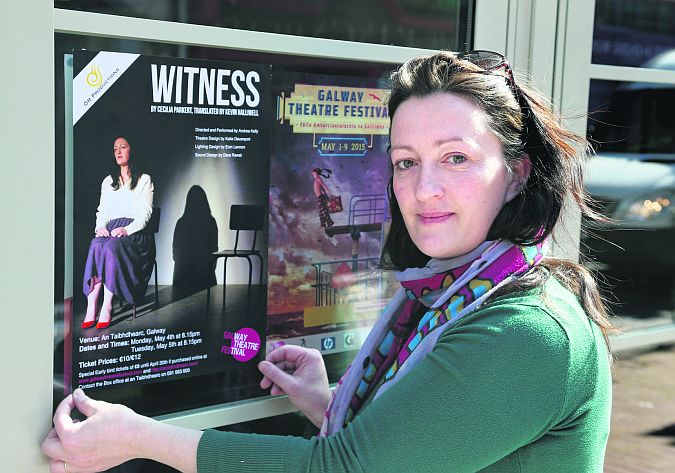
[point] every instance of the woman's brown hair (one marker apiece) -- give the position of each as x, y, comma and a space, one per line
525, 124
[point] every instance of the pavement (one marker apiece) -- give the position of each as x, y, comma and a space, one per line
642, 437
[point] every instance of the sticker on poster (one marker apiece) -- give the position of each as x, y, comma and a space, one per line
244, 344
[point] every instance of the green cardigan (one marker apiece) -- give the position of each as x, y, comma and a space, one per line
520, 385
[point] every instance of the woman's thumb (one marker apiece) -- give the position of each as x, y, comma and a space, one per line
279, 377
84, 403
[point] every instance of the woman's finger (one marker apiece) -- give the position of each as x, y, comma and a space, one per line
84, 403
277, 391
62, 419
280, 379
51, 446
58, 466
265, 382
276, 354
52, 434
287, 366
288, 353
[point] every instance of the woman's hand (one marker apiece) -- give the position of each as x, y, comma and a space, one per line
105, 439
301, 374
118, 232
102, 232
113, 434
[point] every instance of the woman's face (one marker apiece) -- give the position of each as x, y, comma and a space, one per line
122, 151
450, 177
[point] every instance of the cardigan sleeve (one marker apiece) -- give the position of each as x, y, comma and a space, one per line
103, 211
142, 204
494, 382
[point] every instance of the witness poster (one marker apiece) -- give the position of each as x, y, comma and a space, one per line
328, 210
197, 136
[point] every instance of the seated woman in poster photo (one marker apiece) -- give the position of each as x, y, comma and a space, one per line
491, 357
121, 255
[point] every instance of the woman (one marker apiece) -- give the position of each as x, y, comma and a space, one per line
121, 254
322, 193
490, 358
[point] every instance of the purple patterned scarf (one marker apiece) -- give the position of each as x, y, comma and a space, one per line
440, 293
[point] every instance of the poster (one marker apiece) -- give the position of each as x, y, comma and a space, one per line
328, 210
197, 134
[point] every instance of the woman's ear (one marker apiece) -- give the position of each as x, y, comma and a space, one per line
520, 173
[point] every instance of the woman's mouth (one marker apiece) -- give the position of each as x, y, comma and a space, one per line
434, 217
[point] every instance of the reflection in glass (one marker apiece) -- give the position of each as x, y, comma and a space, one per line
631, 33
632, 178
432, 24
201, 391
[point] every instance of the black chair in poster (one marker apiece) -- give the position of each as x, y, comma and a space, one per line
151, 227
250, 218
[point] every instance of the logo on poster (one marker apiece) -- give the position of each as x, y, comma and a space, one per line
319, 109
94, 78
244, 344
327, 343
92, 82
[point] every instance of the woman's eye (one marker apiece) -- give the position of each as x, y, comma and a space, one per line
456, 158
404, 164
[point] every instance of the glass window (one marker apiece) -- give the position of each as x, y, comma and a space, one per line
432, 24
632, 117
198, 391
630, 33
633, 179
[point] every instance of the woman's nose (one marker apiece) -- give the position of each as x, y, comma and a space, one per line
428, 184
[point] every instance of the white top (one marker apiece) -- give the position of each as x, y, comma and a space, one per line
124, 202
